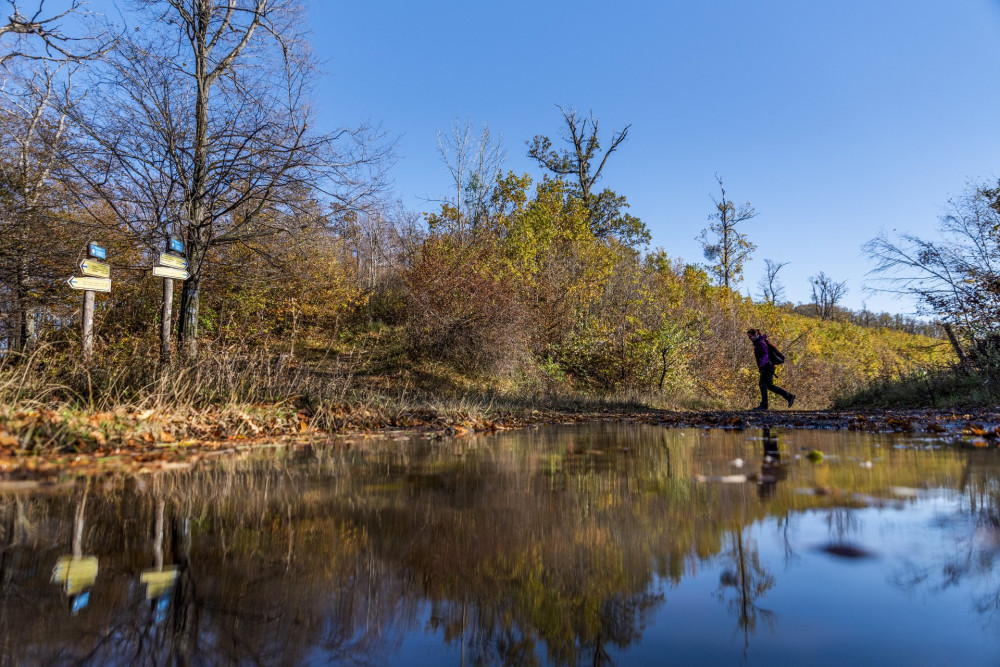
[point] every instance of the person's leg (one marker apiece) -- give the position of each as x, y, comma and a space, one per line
764, 383
788, 396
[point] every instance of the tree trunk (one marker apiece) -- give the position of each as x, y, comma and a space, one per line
955, 344
188, 334
197, 244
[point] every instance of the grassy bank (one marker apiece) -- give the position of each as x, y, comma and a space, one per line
947, 387
52, 405
56, 411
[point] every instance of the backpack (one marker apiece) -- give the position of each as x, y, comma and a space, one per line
774, 354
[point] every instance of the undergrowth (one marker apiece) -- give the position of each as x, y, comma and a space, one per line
949, 387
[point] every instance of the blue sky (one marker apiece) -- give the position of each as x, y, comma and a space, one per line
834, 119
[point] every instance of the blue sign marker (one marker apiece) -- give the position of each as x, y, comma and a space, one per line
175, 245
96, 251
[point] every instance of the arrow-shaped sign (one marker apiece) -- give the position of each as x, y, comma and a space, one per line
90, 284
173, 260
91, 267
170, 272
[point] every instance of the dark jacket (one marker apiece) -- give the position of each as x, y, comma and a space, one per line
760, 351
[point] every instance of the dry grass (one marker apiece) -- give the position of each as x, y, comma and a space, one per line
50, 398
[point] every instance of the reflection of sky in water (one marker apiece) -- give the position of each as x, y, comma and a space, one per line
830, 610
380, 547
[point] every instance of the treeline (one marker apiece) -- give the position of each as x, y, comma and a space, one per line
868, 318
197, 126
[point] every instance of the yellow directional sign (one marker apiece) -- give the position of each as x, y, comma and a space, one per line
173, 260
90, 284
170, 272
158, 583
75, 574
91, 267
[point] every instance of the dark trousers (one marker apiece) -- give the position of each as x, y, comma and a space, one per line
767, 384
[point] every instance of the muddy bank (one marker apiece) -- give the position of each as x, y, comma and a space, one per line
49, 446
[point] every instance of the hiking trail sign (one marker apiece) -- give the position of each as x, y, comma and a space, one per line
174, 261
91, 267
96, 251
90, 283
170, 272
96, 278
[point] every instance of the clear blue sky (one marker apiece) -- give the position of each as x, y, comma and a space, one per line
835, 119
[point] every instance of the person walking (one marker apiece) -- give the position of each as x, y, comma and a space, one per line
765, 354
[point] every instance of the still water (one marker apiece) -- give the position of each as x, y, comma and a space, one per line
594, 544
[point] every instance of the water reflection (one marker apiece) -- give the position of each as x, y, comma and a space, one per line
568, 545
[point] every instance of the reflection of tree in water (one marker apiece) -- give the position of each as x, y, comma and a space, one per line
743, 583
544, 550
976, 529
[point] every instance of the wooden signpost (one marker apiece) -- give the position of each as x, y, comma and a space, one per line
96, 278
171, 265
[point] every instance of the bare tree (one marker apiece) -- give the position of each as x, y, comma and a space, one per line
956, 277
40, 35
474, 162
583, 163
200, 126
826, 294
771, 289
36, 247
723, 244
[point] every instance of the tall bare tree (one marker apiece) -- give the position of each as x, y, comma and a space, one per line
201, 126
723, 244
36, 244
826, 294
771, 288
955, 277
474, 161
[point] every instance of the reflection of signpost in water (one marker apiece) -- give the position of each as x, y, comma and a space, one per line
96, 278
76, 574
172, 265
159, 582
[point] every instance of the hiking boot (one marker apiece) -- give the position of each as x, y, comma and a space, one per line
791, 400
760, 408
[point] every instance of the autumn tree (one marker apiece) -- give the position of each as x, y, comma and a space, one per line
582, 165
725, 246
200, 126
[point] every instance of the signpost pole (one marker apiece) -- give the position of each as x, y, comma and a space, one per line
88, 325
171, 265
165, 319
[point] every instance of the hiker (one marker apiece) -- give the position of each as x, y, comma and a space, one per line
767, 356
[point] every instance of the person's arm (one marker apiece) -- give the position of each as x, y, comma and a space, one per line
763, 357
